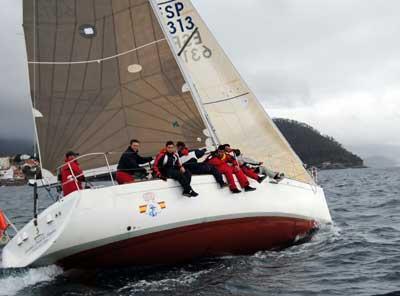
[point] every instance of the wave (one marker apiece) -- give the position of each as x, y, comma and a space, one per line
185, 279
17, 280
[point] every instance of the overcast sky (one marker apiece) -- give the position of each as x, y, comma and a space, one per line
15, 117
334, 64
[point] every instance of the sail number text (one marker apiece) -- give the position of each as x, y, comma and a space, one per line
177, 21
180, 26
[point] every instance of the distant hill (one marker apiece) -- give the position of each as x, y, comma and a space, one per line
315, 149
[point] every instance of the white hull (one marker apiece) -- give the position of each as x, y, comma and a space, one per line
112, 216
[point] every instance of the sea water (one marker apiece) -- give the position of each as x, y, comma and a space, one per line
358, 255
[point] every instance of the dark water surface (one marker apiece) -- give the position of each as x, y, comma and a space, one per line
358, 255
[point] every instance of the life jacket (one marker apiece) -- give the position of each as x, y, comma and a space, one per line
3, 223
217, 161
162, 160
67, 177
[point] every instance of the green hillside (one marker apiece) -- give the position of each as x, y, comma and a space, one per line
315, 149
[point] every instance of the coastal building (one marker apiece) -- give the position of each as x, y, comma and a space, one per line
7, 174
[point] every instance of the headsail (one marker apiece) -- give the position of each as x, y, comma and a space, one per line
230, 106
101, 73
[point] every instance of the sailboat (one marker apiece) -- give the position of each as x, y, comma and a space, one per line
105, 71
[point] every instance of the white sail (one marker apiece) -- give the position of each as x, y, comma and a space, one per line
232, 109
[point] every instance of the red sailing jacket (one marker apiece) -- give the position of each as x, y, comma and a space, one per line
225, 160
3, 223
67, 179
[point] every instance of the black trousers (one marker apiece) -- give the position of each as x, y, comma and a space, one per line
183, 179
205, 169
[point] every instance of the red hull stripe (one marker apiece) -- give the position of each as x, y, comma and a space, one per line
221, 238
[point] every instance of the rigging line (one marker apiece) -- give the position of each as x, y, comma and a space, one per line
225, 100
99, 60
188, 41
34, 54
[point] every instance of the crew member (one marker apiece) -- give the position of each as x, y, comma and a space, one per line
244, 164
189, 159
167, 165
71, 174
129, 164
228, 166
3, 227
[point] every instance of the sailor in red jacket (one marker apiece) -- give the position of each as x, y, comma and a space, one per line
3, 227
71, 174
228, 166
167, 165
235, 153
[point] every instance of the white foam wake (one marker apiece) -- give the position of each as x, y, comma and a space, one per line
22, 279
184, 279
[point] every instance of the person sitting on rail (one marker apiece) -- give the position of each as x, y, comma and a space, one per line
168, 165
129, 164
71, 174
247, 163
228, 166
189, 159
244, 165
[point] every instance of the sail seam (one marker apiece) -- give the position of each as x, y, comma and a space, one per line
99, 60
225, 100
166, 2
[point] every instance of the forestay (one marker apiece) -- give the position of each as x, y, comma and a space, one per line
101, 73
230, 106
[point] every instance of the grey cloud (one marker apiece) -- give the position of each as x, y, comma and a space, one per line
15, 115
330, 47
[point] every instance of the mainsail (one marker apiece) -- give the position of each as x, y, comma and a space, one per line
102, 73
231, 108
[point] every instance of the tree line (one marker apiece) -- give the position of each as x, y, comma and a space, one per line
314, 148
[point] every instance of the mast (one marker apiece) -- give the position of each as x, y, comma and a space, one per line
196, 96
32, 94
35, 113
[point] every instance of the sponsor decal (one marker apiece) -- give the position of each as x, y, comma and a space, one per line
152, 207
